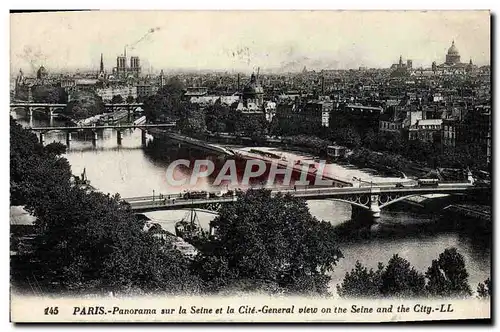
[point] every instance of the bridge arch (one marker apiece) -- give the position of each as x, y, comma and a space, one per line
366, 207
212, 212
58, 108
398, 199
18, 108
40, 109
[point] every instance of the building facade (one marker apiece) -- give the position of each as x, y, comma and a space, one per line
125, 71
428, 130
109, 92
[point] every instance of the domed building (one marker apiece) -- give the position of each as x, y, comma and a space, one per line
41, 74
453, 56
253, 92
452, 63
252, 96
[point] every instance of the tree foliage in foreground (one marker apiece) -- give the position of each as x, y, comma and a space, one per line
85, 240
484, 289
361, 282
446, 277
400, 279
270, 241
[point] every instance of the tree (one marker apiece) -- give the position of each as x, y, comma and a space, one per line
36, 172
167, 103
400, 279
419, 151
90, 241
193, 123
117, 99
55, 148
349, 137
361, 282
217, 117
370, 139
85, 240
270, 239
85, 104
129, 99
484, 289
392, 142
253, 125
49, 94
448, 276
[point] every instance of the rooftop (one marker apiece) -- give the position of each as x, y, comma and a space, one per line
430, 122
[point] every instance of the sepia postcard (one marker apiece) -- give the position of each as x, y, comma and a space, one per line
250, 166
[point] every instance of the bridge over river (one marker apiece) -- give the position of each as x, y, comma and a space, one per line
118, 127
371, 199
51, 109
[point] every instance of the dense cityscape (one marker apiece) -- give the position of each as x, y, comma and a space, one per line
418, 129
445, 107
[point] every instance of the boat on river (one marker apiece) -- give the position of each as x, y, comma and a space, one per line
82, 181
189, 228
140, 120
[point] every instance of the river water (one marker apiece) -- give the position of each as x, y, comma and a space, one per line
131, 170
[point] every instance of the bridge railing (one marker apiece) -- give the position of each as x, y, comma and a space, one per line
178, 202
177, 199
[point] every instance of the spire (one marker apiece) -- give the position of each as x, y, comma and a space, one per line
102, 65
162, 79
400, 59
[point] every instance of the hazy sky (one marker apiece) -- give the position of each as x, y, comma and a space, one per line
243, 41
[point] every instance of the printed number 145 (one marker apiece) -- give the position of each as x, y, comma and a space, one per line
51, 310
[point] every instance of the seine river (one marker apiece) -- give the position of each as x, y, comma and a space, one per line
130, 170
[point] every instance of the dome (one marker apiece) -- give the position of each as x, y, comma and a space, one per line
42, 72
453, 50
253, 87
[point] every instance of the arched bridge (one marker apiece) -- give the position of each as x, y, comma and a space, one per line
371, 199
51, 107
94, 128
